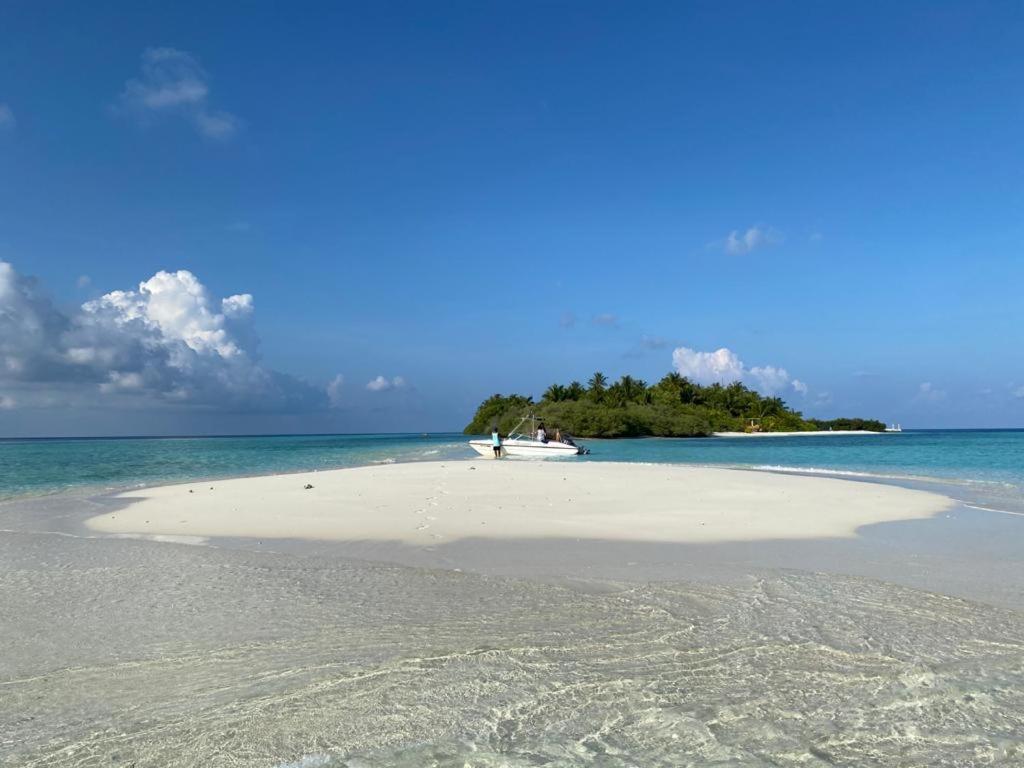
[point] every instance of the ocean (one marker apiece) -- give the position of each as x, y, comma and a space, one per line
984, 467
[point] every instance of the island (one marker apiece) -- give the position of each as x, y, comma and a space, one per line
672, 407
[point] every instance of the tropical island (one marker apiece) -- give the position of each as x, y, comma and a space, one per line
672, 407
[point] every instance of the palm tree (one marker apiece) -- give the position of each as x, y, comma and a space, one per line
632, 389
574, 391
615, 395
674, 380
598, 383
555, 393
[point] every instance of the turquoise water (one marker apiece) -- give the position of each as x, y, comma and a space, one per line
988, 462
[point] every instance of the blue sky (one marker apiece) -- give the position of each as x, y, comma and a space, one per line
467, 198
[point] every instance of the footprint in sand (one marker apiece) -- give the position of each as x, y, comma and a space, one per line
422, 527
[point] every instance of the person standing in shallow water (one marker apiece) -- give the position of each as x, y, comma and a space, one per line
496, 441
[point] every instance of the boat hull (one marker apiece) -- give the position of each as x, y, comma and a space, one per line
531, 449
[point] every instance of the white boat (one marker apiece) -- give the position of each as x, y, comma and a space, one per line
527, 446
894, 428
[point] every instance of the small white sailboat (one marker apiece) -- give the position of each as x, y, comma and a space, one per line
894, 428
528, 446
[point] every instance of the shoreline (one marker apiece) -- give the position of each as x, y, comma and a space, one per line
427, 503
816, 433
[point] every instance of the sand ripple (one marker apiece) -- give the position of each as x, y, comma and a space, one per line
159, 655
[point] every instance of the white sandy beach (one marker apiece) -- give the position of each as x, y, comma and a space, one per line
816, 433
433, 502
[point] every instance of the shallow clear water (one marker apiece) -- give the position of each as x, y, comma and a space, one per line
31, 467
270, 661
990, 460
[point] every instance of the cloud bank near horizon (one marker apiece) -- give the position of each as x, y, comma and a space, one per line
167, 342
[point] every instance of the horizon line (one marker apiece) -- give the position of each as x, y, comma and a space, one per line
395, 434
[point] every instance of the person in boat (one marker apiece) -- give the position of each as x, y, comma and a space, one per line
542, 434
496, 441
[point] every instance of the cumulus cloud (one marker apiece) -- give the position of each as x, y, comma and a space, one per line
383, 384
738, 243
334, 391
172, 83
723, 366
7, 120
168, 340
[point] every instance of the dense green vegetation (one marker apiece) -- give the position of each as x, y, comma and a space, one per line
841, 425
629, 407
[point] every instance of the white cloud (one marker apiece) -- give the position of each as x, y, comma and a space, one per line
6, 403
739, 243
169, 340
928, 393
769, 379
382, 384
239, 305
334, 391
83, 281
7, 120
723, 366
130, 381
1019, 393
173, 83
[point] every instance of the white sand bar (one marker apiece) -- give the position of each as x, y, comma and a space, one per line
433, 502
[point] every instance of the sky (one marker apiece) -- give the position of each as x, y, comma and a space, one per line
337, 217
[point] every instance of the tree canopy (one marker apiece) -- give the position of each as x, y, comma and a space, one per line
672, 407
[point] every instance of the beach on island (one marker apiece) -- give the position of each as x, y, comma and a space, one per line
511, 613
805, 433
